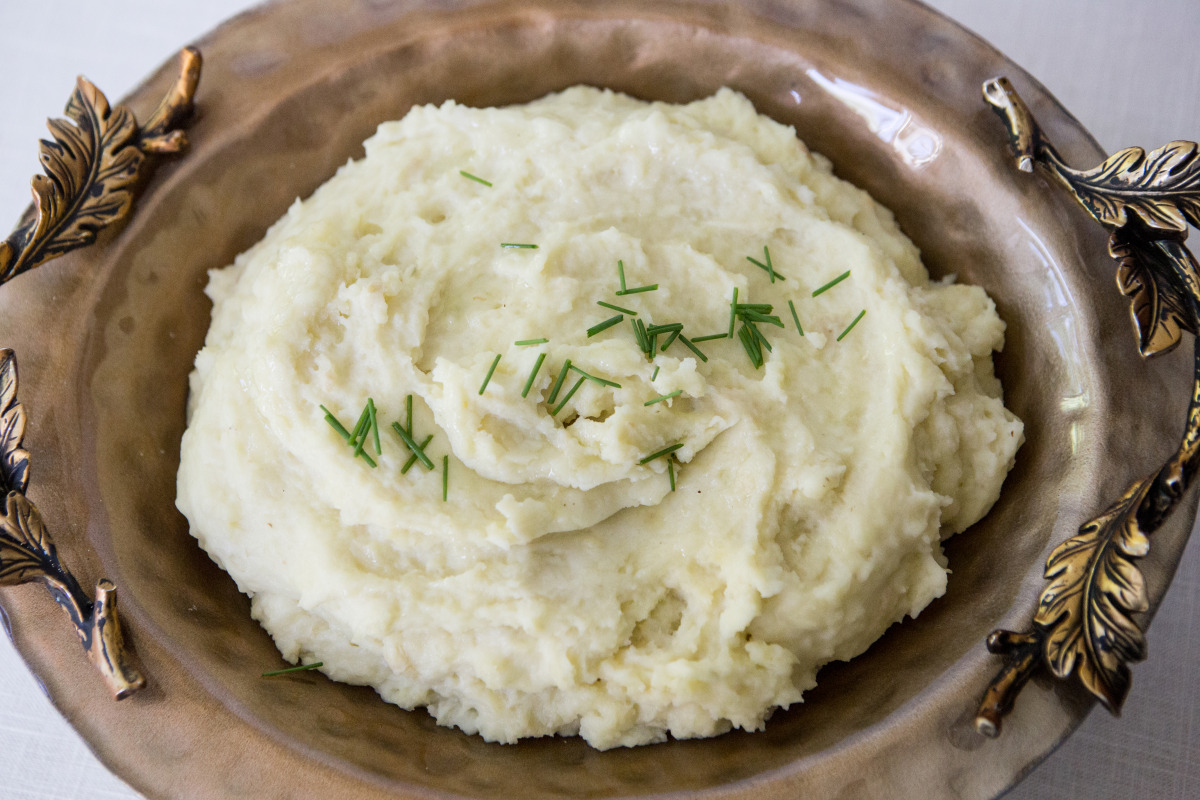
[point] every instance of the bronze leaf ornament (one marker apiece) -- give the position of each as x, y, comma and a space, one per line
95, 164
1085, 622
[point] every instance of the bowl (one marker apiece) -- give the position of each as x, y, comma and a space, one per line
888, 89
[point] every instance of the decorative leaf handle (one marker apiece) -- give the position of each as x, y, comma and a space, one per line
94, 169
1084, 621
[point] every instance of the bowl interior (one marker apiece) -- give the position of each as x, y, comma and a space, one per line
282, 105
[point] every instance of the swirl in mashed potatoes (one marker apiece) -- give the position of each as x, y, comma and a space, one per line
563, 586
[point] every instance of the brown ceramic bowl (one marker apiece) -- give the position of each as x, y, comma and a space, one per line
888, 89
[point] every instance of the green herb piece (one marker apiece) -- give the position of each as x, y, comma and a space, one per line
526, 342
487, 378
616, 308
688, 344
536, 366
417, 450
603, 326
758, 316
651, 288
593, 378
660, 398
363, 429
661, 453
374, 427
408, 413
674, 334
796, 317
671, 471
759, 336
732, 312
289, 670
475, 178
832, 283
655, 374
336, 424
850, 327
644, 342
562, 376
621, 274
518, 246
445, 477
568, 396
750, 343
360, 427
670, 326
413, 458
709, 337
768, 267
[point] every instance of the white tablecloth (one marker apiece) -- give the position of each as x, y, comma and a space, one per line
1129, 71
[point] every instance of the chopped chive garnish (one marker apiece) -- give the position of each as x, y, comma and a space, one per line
743, 308
408, 414
796, 317
850, 327
374, 427
655, 374
660, 398
289, 670
567, 397
360, 427
487, 378
336, 424
670, 326
593, 378
413, 458
643, 340
363, 429
674, 334
652, 287
536, 366
688, 344
759, 336
832, 283
445, 477
475, 178
621, 273
526, 342
562, 376
416, 449
732, 312
770, 266
661, 453
616, 308
770, 270
518, 246
603, 326
367, 458
709, 337
757, 316
671, 471
751, 346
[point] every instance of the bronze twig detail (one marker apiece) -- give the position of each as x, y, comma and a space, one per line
94, 168
1084, 624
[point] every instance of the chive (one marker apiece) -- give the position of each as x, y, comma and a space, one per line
367, 457
761, 339
568, 396
518, 246
487, 378
536, 366
796, 317
652, 287
751, 346
616, 308
756, 316
660, 398
374, 427
643, 339
289, 670
732, 312
445, 477
475, 178
365, 429
413, 458
603, 326
360, 427
336, 424
764, 308
770, 266
661, 453
767, 267
592, 377
655, 375
832, 283
621, 273
525, 342
670, 326
709, 337
850, 327
417, 450
562, 376
670, 339
408, 414
671, 471
688, 344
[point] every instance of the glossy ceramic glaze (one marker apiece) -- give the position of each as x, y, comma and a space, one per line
887, 89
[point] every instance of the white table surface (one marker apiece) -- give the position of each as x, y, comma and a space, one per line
1128, 70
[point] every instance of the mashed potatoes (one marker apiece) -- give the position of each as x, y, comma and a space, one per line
547, 575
